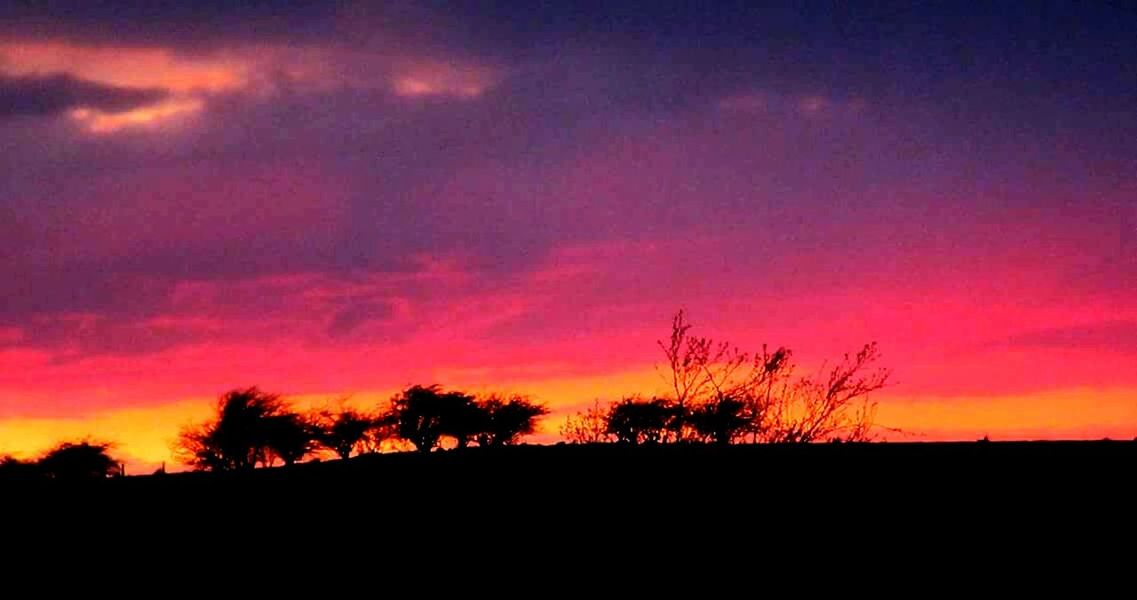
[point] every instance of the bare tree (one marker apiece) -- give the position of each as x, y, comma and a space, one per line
834, 405
701, 371
589, 426
725, 394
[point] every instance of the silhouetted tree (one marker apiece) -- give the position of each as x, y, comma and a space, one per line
462, 418
732, 393
248, 424
589, 426
343, 431
384, 431
506, 420
290, 437
423, 414
721, 420
836, 405
79, 461
637, 421
702, 371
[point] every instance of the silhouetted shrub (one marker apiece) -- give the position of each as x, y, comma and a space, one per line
721, 420
637, 421
343, 431
504, 421
589, 426
251, 427
84, 460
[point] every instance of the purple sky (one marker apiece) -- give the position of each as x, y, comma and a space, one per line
449, 188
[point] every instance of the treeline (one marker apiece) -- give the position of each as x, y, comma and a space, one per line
252, 427
717, 393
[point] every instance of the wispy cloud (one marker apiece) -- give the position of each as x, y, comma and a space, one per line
40, 95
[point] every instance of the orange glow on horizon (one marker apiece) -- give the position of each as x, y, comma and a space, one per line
143, 435
1080, 413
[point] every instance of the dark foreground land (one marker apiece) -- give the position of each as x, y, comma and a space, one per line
613, 499
703, 520
563, 478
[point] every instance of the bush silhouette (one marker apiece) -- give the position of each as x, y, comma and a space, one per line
423, 414
637, 421
504, 421
343, 431
589, 426
289, 437
13, 470
722, 420
78, 461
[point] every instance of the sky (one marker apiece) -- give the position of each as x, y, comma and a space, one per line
339, 199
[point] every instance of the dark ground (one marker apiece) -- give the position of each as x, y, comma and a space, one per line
564, 478
598, 521
698, 501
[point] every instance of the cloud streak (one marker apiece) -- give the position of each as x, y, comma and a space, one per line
50, 95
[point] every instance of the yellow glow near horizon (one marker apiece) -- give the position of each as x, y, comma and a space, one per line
1083, 413
143, 436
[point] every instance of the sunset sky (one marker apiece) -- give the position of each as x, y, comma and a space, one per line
329, 199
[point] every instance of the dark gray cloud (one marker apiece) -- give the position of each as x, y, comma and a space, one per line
892, 47
44, 95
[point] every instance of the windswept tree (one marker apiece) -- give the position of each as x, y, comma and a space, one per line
76, 461
343, 431
289, 437
251, 427
462, 418
423, 414
505, 420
